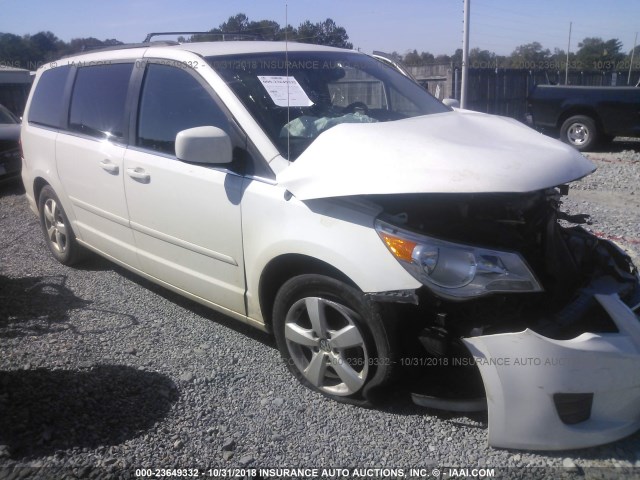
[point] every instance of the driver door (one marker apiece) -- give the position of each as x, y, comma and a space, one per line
186, 218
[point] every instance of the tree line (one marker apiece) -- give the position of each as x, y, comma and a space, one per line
593, 53
320, 33
31, 51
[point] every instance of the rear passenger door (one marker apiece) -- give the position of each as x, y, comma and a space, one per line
90, 155
185, 217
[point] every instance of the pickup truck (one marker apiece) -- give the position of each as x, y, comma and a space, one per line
585, 116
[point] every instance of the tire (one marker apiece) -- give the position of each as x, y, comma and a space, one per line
580, 132
56, 228
333, 338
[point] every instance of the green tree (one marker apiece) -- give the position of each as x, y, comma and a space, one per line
481, 58
413, 58
558, 59
427, 58
323, 33
45, 46
530, 56
266, 29
78, 45
595, 53
456, 58
396, 56
235, 24
635, 54
15, 51
308, 32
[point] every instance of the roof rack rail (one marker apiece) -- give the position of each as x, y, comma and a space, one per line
235, 35
123, 46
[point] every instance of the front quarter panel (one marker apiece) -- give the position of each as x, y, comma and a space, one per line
335, 232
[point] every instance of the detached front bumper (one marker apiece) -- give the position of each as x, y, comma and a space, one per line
546, 394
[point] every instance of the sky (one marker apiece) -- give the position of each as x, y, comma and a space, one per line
433, 26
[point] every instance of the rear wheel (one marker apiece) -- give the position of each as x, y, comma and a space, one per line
580, 132
56, 228
332, 337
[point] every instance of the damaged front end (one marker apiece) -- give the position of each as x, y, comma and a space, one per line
523, 311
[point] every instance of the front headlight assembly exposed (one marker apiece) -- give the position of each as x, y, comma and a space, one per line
454, 270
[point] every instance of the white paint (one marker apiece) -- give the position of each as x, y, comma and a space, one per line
522, 371
452, 152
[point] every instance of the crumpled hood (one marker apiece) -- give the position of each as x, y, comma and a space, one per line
452, 152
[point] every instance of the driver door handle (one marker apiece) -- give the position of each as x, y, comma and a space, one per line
139, 174
107, 166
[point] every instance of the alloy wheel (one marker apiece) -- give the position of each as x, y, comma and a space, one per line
55, 226
326, 345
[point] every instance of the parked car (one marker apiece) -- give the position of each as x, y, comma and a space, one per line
586, 116
317, 194
10, 161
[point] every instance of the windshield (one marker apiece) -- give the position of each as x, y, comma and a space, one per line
319, 90
6, 116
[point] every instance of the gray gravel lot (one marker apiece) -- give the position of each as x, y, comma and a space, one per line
612, 196
101, 371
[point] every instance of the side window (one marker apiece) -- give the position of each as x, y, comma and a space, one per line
98, 100
402, 104
173, 100
47, 102
357, 86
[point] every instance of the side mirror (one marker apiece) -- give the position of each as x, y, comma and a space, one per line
203, 145
451, 102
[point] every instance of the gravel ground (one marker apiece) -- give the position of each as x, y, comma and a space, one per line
612, 196
102, 372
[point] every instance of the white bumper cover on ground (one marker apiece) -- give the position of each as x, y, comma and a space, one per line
523, 371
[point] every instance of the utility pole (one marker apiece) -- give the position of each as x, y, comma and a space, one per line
632, 54
465, 55
566, 70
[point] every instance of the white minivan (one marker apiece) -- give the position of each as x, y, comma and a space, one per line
383, 237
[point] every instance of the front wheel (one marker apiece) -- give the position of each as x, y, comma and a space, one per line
580, 132
332, 338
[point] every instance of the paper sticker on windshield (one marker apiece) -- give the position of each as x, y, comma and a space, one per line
279, 87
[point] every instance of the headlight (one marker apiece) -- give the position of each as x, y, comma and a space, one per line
454, 270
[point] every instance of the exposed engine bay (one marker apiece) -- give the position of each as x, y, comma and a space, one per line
567, 260
570, 263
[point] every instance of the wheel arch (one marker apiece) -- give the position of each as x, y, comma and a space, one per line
285, 267
580, 110
38, 184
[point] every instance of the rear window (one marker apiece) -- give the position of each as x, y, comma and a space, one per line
47, 102
99, 99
